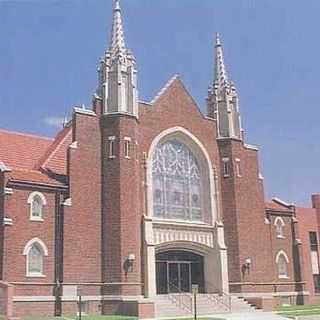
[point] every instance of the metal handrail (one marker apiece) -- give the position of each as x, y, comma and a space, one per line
180, 297
221, 297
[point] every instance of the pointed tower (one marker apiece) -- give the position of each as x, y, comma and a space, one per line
223, 101
117, 72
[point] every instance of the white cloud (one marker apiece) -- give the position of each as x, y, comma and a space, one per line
54, 121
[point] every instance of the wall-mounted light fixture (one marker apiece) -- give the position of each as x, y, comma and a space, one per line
128, 264
246, 267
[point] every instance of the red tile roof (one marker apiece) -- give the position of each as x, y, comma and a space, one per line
55, 159
33, 176
33, 158
20, 150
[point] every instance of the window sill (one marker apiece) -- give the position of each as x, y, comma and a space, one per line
226, 175
111, 157
128, 157
35, 275
36, 219
283, 277
280, 237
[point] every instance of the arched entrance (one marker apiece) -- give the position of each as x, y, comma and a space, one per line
178, 270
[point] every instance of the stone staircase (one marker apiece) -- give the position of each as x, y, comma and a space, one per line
181, 304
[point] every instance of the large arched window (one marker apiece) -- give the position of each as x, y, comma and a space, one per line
177, 182
35, 251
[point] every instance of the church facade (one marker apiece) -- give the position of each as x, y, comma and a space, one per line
134, 199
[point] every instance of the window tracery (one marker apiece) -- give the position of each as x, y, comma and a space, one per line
177, 185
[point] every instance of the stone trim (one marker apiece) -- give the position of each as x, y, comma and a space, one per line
269, 294
251, 147
7, 221
84, 298
164, 89
4, 168
8, 191
84, 111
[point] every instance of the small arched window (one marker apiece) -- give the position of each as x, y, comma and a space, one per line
35, 251
282, 262
279, 224
37, 201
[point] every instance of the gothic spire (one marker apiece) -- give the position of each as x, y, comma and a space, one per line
117, 72
117, 43
221, 77
223, 101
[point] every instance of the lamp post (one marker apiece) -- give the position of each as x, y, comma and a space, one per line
195, 290
79, 302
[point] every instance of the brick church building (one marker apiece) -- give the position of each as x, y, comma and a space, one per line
133, 200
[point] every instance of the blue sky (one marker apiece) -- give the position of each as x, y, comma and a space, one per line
50, 49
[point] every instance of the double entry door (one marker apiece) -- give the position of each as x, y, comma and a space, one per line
177, 271
173, 276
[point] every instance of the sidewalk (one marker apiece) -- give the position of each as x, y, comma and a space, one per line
253, 316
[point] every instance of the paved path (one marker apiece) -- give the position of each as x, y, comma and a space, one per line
251, 316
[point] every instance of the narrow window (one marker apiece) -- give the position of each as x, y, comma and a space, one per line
37, 201
313, 241
36, 207
279, 224
282, 263
35, 251
238, 168
35, 261
315, 260
111, 147
226, 167
127, 142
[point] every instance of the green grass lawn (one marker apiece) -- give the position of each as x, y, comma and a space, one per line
296, 311
97, 317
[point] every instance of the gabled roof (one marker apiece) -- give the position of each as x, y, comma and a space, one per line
164, 89
278, 205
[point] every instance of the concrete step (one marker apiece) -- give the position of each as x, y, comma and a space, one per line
168, 306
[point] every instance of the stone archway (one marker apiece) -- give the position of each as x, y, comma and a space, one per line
204, 241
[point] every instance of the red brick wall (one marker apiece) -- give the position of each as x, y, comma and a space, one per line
2, 199
247, 234
82, 221
175, 108
286, 244
307, 218
122, 216
24, 309
22, 231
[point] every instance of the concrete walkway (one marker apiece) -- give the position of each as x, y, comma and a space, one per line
250, 316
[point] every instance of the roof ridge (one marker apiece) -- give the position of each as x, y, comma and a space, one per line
164, 89
26, 134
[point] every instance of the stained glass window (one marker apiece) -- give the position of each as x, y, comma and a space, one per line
177, 186
35, 260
